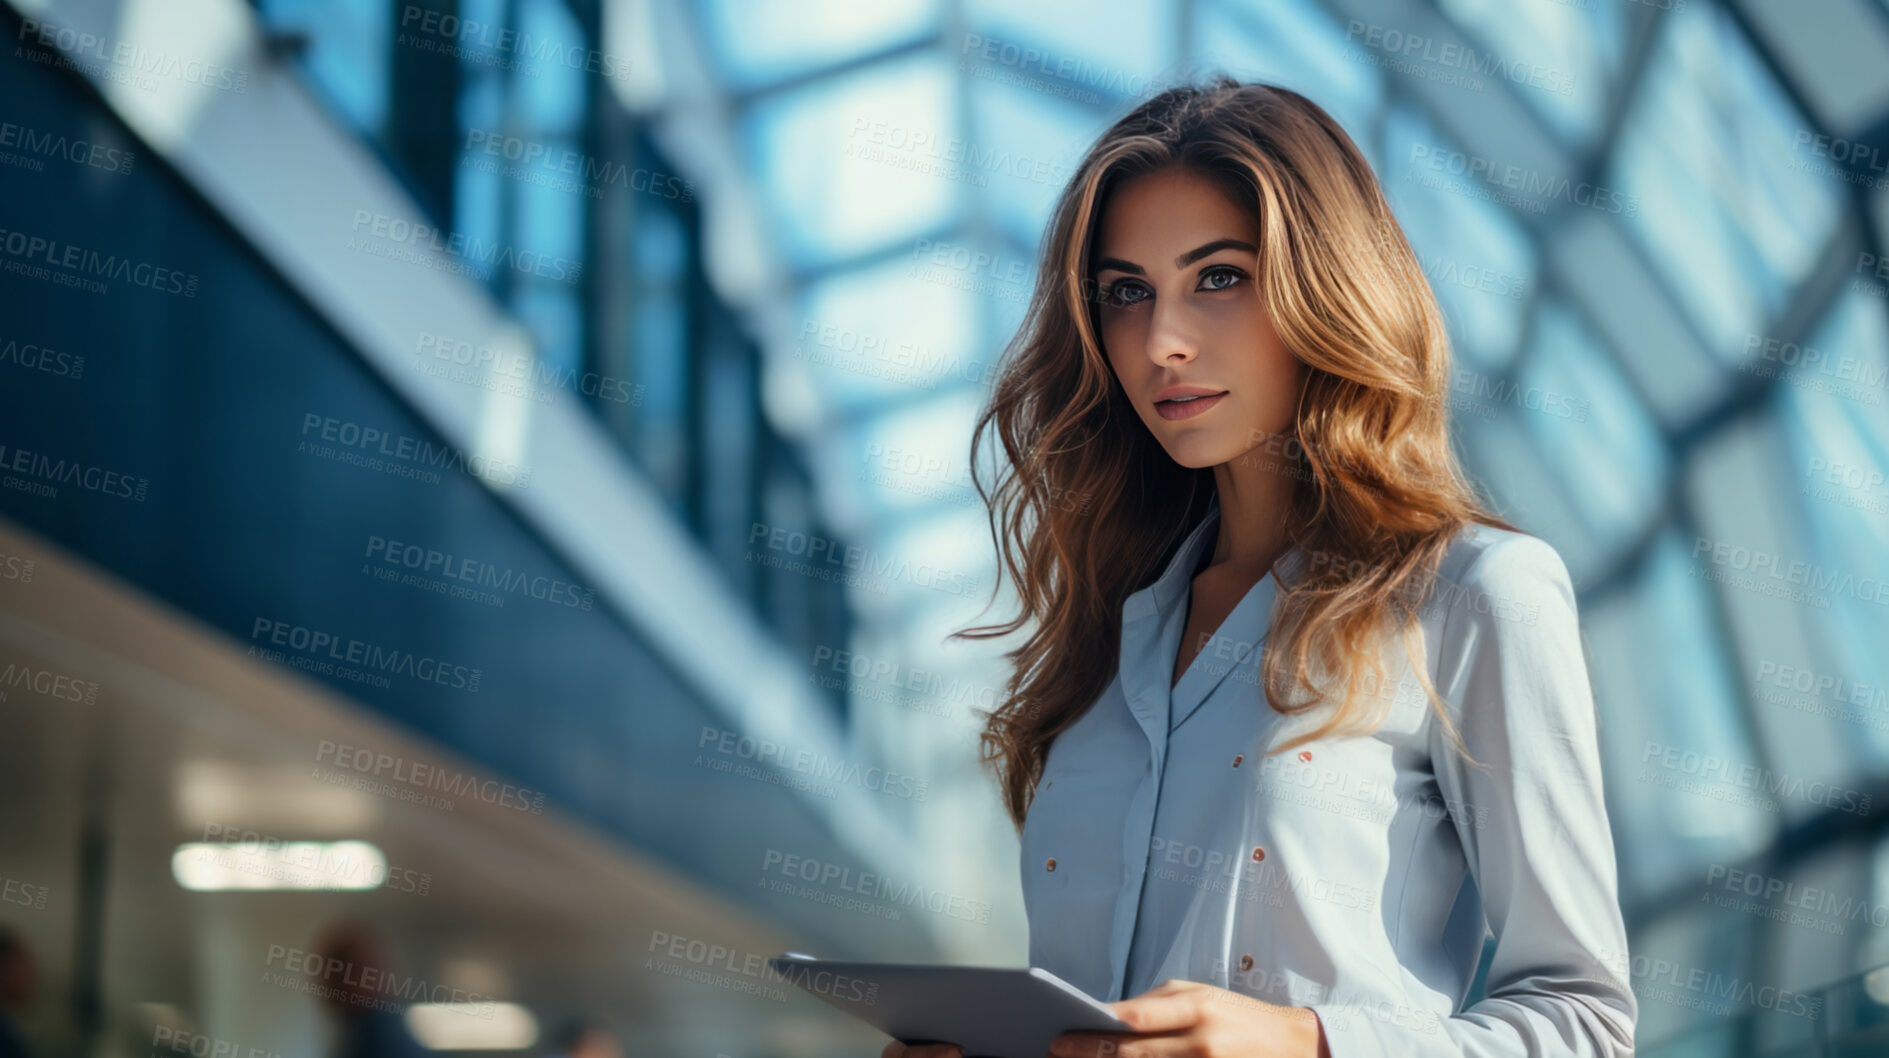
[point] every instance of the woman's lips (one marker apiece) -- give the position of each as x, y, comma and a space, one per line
1187, 409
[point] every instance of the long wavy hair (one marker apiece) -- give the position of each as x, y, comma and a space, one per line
1088, 508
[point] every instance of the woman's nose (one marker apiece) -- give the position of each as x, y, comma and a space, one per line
1171, 337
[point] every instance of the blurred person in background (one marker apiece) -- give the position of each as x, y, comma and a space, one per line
19, 981
583, 1038
367, 1023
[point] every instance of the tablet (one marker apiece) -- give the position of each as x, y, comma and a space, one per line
989, 1012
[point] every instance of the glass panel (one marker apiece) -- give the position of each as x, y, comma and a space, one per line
555, 322
911, 467
1590, 425
1872, 947
880, 337
1502, 454
729, 443
851, 166
1480, 261
1706, 154
520, 210
1560, 58
1835, 428
1671, 717
758, 42
659, 350
1113, 54
1817, 913
347, 54
1750, 546
1027, 146
1597, 267
552, 97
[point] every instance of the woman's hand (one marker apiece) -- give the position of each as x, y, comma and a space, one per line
1186, 1019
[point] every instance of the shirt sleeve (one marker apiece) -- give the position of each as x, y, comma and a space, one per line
1533, 827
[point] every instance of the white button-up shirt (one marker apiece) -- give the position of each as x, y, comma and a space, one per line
1352, 875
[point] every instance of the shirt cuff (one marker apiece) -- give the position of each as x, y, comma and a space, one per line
1346, 1034
1381, 1030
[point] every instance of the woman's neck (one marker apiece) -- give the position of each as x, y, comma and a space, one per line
1253, 497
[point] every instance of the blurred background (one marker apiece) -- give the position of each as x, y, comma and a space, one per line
486, 487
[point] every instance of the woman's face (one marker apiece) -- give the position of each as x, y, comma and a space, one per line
1181, 316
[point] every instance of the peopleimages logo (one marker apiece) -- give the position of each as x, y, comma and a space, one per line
1697, 988
16, 567
1755, 563
1855, 157
198, 1045
40, 144
822, 554
565, 169
1810, 898
334, 971
522, 366
476, 254
1837, 688
838, 876
134, 58
432, 562
42, 475
424, 776
1489, 389
29, 250
921, 360
304, 864
1711, 769
319, 651
46, 683
23, 894
819, 765
896, 674
401, 455
1415, 47
30, 357
699, 961
1026, 60
1526, 181
472, 33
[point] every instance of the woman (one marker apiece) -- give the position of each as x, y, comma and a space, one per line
1297, 714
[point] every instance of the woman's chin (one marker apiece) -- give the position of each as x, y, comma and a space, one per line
1195, 456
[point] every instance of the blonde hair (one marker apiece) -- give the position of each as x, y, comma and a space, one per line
1378, 495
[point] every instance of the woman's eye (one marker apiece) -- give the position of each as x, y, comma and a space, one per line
1123, 294
1211, 279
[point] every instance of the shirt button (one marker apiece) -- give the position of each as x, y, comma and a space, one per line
1237, 758
1259, 853
1246, 962
1050, 864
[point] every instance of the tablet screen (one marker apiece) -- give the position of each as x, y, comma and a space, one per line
989, 1012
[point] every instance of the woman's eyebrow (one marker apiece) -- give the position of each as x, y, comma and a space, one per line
1213, 247
1183, 260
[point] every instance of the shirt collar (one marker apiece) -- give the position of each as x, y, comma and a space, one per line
1168, 589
